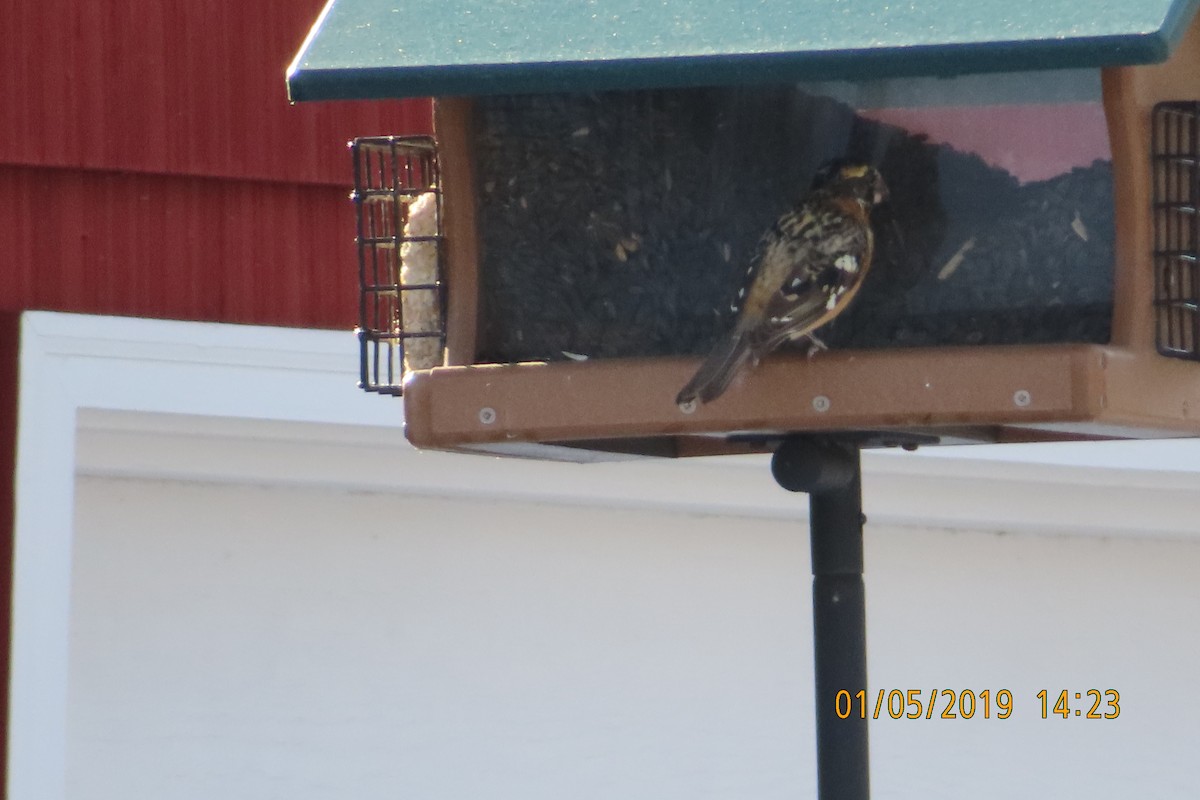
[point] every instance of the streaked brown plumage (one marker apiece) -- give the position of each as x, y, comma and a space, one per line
807, 269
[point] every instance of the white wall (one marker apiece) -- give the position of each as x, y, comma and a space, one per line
234, 579
249, 642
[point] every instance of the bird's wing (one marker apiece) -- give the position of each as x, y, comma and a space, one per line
824, 275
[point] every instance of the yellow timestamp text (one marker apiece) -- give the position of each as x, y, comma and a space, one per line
1085, 704
970, 703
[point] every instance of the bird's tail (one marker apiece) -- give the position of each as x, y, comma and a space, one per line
718, 370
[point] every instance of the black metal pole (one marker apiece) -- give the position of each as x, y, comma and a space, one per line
830, 472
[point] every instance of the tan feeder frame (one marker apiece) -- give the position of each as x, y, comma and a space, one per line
994, 393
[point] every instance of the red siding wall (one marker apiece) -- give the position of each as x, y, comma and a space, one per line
179, 247
151, 165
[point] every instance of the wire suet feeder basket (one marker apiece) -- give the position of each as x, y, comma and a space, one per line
398, 204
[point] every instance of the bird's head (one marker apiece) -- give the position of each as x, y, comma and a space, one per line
849, 177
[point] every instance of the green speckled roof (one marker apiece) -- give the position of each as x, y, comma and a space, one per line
404, 48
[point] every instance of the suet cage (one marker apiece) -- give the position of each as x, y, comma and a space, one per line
1035, 275
401, 292
1176, 154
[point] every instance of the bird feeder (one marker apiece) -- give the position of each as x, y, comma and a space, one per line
544, 274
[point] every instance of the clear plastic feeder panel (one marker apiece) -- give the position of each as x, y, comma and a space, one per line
620, 224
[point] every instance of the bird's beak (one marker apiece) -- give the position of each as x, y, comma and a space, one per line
881, 193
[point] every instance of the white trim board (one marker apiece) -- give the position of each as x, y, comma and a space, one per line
902, 491
206, 402
72, 363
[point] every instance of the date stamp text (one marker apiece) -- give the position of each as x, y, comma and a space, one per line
970, 703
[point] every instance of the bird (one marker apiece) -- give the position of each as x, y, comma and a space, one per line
806, 269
